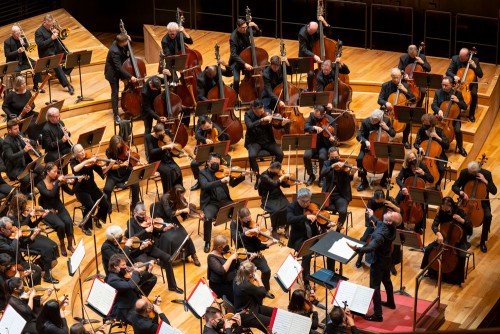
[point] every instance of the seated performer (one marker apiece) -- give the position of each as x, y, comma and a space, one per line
205, 132
273, 76
300, 304
214, 194
449, 213
339, 321
23, 302
209, 79
142, 323
150, 90
273, 200
216, 323
410, 58
427, 131
460, 61
324, 140
373, 123
52, 318
222, 268
327, 75
49, 44
445, 93
171, 42
55, 138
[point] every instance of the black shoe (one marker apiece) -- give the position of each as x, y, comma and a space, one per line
472, 119
35, 89
467, 245
269, 295
320, 183
462, 152
51, 280
358, 264
407, 145
117, 119
362, 186
376, 318
391, 306
87, 232
383, 184
71, 90
98, 224
311, 179
176, 289
196, 186
483, 247
207, 247
394, 272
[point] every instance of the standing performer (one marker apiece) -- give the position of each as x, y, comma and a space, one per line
221, 268
150, 90
171, 42
55, 138
483, 176
273, 76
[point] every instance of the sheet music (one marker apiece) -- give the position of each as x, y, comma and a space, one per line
101, 296
289, 271
285, 322
340, 248
358, 297
165, 328
201, 298
12, 322
76, 259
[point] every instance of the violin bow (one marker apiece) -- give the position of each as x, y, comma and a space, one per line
324, 202
178, 127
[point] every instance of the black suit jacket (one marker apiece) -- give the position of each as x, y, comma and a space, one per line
406, 60
465, 176
10, 46
341, 179
380, 244
143, 325
114, 60
205, 84
45, 44
14, 156
298, 220
209, 184
127, 292
52, 141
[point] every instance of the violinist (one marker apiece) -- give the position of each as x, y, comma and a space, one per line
336, 174
239, 41
24, 303
113, 72
369, 124
308, 36
216, 323
158, 146
449, 212
60, 221
259, 135
48, 43
340, 320
221, 268
273, 76
327, 75
5, 265
206, 130
300, 304
214, 194
273, 200
445, 93
55, 138
393, 86
120, 171
42, 244
87, 191
171, 42
52, 319
248, 237
150, 90
320, 123
473, 172
410, 58
173, 205
142, 322
460, 61
427, 131
209, 79
249, 292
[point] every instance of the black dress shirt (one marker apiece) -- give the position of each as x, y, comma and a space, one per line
440, 96
390, 87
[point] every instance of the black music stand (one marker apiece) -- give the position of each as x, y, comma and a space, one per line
427, 80
89, 139
410, 116
203, 151
173, 257
93, 216
392, 151
175, 64
210, 107
8, 68
42, 114
300, 65
79, 58
46, 64
229, 212
298, 142
24, 124
311, 99
409, 239
31, 168
426, 197
141, 173
63, 161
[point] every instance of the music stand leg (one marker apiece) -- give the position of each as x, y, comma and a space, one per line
183, 301
402, 288
82, 320
81, 98
426, 208
97, 274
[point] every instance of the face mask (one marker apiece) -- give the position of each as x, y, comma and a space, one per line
413, 162
225, 249
219, 325
427, 127
139, 219
214, 166
335, 160
122, 271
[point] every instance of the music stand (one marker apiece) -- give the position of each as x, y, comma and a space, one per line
46, 64
392, 151
88, 139
25, 123
427, 80
93, 216
410, 116
141, 173
300, 65
210, 107
42, 114
8, 68
203, 151
426, 197
63, 161
79, 58
298, 142
175, 64
173, 257
311, 99
229, 212
409, 239
31, 167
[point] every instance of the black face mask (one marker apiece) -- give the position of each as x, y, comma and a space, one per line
413, 162
335, 160
122, 271
214, 166
225, 249
139, 219
219, 326
427, 127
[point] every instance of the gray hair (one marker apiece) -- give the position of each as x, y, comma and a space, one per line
173, 26
75, 147
326, 63
50, 112
412, 48
378, 114
4, 221
304, 192
113, 232
140, 207
473, 166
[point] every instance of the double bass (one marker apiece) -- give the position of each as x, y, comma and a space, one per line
467, 77
371, 163
413, 212
412, 68
289, 94
227, 120
396, 99
169, 105
252, 84
476, 191
451, 112
131, 95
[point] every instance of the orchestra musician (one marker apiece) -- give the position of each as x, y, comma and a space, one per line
393, 86
308, 35
113, 72
142, 323
216, 323
273, 200
79, 329
335, 174
55, 137
171, 42
249, 291
373, 123
209, 79
52, 318
14, 49
16, 157
60, 220
239, 41
449, 212
150, 90
214, 194
339, 321
380, 246
445, 93
221, 268
410, 58
23, 302
475, 172
87, 192
428, 130
273, 76
327, 75
204, 129
49, 44
460, 61
5, 264
159, 147
300, 304
315, 124
120, 171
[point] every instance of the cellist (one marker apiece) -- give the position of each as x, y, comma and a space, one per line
273, 76
327, 75
149, 92
460, 61
410, 58
473, 172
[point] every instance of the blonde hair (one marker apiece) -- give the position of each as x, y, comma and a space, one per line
407, 156
244, 272
18, 82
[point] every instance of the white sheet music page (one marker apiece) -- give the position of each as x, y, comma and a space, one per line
201, 298
358, 297
12, 322
289, 271
165, 328
285, 322
101, 296
76, 259
340, 248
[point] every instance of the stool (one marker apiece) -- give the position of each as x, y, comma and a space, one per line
156, 178
315, 164
118, 324
346, 224
46, 228
261, 156
265, 215
121, 187
27, 74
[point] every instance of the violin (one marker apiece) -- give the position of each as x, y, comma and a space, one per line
262, 234
242, 253
25, 232
136, 242
63, 301
322, 217
13, 270
230, 171
344, 168
133, 158
292, 179
182, 203
152, 313
39, 211
177, 148
476, 191
39, 290
101, 162
213, 135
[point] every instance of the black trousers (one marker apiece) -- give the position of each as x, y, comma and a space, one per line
236, 77
486, 223
210, 212
473, 102
147, 282
148, 122
368, 232
170, 175
278, 219
261, 264
458, 134
223, 289
88, 199
154, 253
310, 81
37, 272
321, 153
61, 223
339, 205
380, 274
61, 76
110, 185
255, 148
306, 265
115, 87
406, 131
264, 313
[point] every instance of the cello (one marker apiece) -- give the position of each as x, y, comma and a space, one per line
396, 99
466, 78
452, 111
252, 84
476, 191
410, 69
227, 120
371, 163
169, 105
289, 94
432, 151
131, 95
413, 212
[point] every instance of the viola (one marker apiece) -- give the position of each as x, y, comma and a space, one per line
328, 129
38, 210
25, 232
262, 234
230, 171
182, 203
39, 290
13, 270
133, 158
213, 135
476, 191
177, 148
157, 301
101, 162
344, 167
467, 77
322, 217
292, 179
136, 242
412, 68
